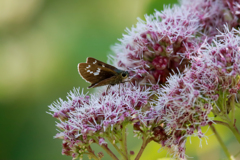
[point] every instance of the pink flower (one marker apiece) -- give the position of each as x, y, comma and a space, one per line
182, 109
213, 15
217, 67
184, 63
185, 102
87, 117
160, 45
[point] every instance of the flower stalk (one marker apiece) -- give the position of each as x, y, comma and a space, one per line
235, 132
124, 142
92, 154
117, 148
144, 145
227, 153
109, 152
232, 105
231, 127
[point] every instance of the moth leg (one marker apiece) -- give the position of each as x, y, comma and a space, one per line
109, 86
119, 88
127, 81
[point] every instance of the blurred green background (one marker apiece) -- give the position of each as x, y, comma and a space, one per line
41, 43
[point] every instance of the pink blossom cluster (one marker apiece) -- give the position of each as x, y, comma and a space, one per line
159, 46
162, 44
184, 62
85, 120
216, 70
186, 100
183, 110
169, 41
213, 15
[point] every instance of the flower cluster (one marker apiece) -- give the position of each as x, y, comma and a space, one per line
216, 70
162, 44
159, 46
185, 102
199, 41
182, 110
85, 120
213, 15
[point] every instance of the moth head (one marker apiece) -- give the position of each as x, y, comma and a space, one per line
125, 74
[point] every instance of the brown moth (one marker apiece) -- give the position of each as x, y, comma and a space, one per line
99, 73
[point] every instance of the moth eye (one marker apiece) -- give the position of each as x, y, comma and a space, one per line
124, 74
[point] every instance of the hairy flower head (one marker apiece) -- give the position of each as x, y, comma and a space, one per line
182, 110
159, 45
85, 120
213, 15
199, 41
216, 70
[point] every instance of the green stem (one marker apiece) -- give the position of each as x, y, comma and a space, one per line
116, 147
235, 132
225, 103
109, 152
144, 144
124, 142
232, 127
91, 153
221, 142
222, 123
221, 111
232, 105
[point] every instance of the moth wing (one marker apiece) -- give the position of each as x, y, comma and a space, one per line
103, 82
94, 73
100, 63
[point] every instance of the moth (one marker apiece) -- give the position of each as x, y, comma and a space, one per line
99, 73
